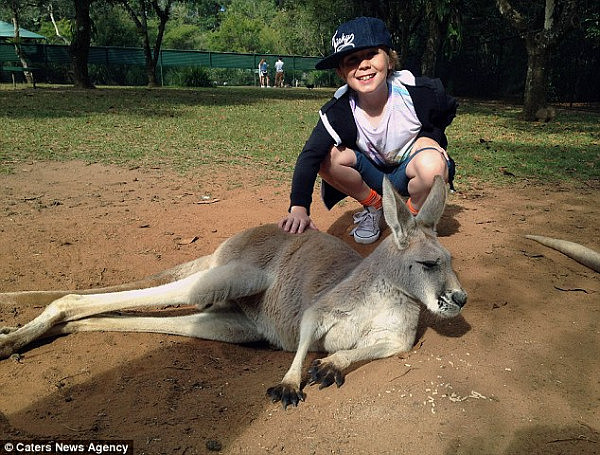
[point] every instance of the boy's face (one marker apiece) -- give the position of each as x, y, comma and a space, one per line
365, 70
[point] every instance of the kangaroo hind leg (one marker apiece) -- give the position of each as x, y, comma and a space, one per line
44, 298
229, 325
205, 288
228, 282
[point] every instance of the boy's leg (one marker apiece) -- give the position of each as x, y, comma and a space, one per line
339, 170
425, 164
354, 174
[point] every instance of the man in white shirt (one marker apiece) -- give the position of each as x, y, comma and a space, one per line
279, 72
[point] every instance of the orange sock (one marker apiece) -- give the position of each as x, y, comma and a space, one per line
372, 200
413, 210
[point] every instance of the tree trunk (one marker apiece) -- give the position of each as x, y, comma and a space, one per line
141, 23
17, 42
150, 67
150, 64
403, 21
558, 18
56, 30
431, 46
163, 15
80, 46
536, 82
433, 41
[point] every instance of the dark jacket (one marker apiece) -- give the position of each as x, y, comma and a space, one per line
336, 126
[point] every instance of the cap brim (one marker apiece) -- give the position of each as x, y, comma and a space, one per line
332, 61
329, 62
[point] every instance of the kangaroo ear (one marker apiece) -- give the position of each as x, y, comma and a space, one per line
396, 214
432, 210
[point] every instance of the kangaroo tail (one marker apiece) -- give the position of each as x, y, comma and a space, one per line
580, 253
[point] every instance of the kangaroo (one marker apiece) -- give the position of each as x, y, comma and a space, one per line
299, 292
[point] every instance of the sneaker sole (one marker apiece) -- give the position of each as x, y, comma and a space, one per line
366, 241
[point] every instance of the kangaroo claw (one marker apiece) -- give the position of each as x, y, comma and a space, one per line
325, 374
288, 395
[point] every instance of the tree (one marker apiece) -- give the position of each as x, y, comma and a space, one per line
140, 11
402, 24
541, 33
443, 26
57, 26
16, 10
113, 26
204, 14
80, 45
245, 27
73, 29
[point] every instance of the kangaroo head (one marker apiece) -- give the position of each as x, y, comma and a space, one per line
418, 263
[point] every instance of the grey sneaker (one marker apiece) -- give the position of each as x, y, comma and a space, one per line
367, 229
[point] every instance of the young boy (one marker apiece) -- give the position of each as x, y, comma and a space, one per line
382, 122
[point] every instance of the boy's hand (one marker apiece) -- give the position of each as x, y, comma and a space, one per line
297, 221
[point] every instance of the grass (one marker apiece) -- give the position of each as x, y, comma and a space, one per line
197, 129
491, 142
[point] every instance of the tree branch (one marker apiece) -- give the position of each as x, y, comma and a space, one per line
56, 30
512, 15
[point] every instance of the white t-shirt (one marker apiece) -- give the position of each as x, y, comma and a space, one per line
390, 142
279, 66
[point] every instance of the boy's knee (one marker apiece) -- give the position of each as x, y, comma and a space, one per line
428, 164
326, 164
337, 156
336, 152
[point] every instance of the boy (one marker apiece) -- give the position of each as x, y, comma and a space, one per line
382, 122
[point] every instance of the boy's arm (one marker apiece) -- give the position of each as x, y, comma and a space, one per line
307, 166
434, 107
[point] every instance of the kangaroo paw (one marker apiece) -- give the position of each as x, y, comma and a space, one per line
7, 347
325, 374
288, 395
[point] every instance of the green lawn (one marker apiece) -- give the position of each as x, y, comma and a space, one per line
188, 129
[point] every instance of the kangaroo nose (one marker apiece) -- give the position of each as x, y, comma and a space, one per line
460, 298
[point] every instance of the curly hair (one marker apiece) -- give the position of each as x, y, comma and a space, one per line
394, 59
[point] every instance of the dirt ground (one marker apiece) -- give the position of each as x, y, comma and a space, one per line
517, 373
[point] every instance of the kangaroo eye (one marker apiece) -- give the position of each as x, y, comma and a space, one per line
429, 265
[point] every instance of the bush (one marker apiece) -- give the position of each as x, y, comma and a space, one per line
125, 75
233, 76
188, 77
322, 79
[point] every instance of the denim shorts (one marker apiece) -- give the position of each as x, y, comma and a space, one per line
372, 173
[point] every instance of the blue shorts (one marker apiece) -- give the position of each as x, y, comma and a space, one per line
373, 174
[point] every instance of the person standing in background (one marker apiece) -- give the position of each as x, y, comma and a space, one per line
279, 72
263, 68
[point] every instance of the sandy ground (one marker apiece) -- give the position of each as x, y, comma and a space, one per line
517, 373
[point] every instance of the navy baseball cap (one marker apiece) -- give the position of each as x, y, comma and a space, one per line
352, 36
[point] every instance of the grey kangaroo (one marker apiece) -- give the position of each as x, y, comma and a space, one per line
307, 292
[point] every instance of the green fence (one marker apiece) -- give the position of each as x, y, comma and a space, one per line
44, 54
